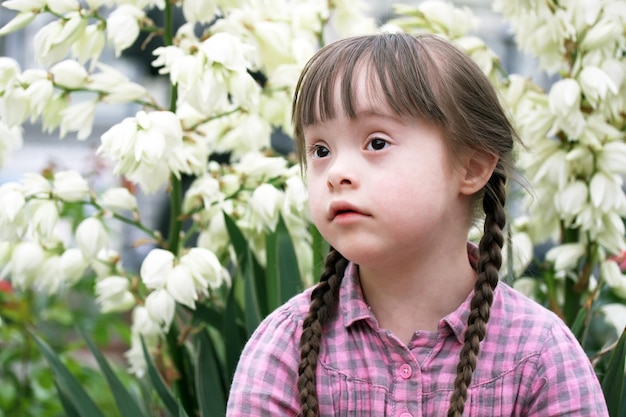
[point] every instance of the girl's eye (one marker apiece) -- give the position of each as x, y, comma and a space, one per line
319, 151
377, 144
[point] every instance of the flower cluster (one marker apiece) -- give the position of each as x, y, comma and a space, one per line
232, 68
575, 154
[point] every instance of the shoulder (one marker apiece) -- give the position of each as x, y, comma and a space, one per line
520, 330
265, 380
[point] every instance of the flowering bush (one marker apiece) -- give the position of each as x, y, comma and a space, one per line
239, 241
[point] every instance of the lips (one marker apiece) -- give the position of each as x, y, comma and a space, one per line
341, 209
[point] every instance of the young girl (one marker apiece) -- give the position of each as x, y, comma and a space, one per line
403, 139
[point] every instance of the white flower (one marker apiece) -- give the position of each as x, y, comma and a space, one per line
180, 285
24, 5
44, 216
69, 74
265, 203
35, 185
571, 200
107, 262
613, 157
606, 192
156, 267
25, 264
63, 6
256, 165
118, 198
566, 257
73, 265
143, 145
14, 107
596, 84
522, 251
78, 118
144, 324
564, 95
11, 140
204, 267
20, 21
227, 50
161, 306
113, 295
50, 277
91, 237
199, 11
90, 45
13, 201
39, 93
123, 26
70, 186
54, 40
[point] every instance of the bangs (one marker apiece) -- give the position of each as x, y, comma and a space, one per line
400, 74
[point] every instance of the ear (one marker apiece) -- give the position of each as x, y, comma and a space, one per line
477, 169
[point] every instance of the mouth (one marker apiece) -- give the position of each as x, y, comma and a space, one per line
339, 210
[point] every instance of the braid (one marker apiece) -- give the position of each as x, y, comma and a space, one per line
489, 262
323, 299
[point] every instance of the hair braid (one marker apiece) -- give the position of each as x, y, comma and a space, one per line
323, 300
489, 262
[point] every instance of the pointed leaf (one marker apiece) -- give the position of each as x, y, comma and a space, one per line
212, 402
164, 393
69, 408
579, 325
71, 389
234, 340
290, 280
613, 381
124, 401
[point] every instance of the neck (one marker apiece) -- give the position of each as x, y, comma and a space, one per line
424, 289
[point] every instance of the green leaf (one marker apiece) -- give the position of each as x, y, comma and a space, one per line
234, 338
182, 412
613, 381
253, 275
212, 401
124, 401
69, 408
164, 393
283, 274
70, 389
578, 327
320, 250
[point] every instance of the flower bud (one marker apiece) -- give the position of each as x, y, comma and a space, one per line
118, 198
44, 216
160, 306
50, 278
112, 294
70, 186
156, 267
204, 267
25, 264
91, 237
566, 257
180, 285
73, 265
69, 74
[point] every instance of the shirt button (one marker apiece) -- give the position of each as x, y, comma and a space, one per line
406, 415
405, 371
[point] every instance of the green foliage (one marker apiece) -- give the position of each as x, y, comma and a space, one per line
218, 334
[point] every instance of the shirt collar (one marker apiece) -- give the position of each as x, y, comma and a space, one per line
354, 307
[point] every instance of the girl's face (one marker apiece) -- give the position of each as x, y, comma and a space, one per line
383, 189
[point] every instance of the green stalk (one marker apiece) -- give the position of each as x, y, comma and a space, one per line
183, 385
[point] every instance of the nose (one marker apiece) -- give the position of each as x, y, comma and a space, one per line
341, 174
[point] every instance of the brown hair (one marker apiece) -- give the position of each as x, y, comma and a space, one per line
424, 77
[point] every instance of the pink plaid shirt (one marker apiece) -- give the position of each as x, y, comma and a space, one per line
529, 364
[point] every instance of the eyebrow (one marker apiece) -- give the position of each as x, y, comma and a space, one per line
371, 112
